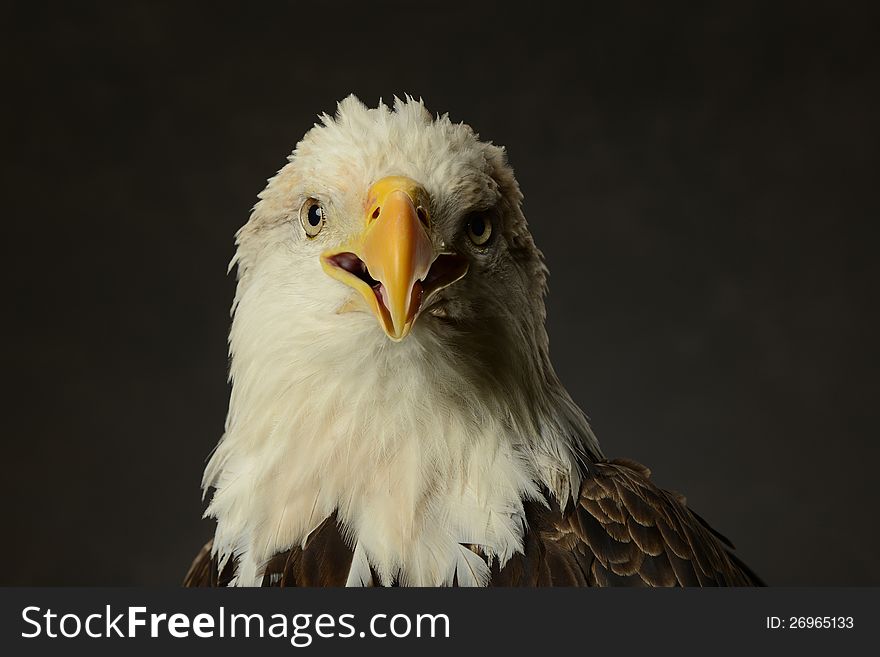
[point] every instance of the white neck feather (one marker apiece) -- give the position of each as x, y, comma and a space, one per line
415, 454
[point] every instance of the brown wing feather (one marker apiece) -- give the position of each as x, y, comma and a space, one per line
202, 570
324, 561
624, 531
205, 570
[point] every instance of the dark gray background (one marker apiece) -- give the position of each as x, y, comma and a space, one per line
701, 180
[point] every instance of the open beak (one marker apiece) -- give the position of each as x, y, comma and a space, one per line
392, 263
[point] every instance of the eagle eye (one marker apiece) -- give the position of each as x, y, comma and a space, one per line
479, 228
312, 216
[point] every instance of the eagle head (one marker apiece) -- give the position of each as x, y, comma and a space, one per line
392, 223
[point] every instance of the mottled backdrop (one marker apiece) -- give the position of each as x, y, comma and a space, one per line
703, 182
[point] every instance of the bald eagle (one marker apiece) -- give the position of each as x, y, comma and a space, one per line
394, 416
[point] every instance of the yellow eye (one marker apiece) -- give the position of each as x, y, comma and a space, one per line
479, 228
312, 216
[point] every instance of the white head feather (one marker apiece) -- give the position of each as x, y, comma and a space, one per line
422, 445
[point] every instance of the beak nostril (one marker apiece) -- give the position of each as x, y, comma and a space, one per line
376, 212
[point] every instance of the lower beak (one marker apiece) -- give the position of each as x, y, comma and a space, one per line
392, 263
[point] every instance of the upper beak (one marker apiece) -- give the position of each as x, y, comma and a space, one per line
392, 262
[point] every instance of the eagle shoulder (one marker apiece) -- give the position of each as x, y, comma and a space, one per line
624, 531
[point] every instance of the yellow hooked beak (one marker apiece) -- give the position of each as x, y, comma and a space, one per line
392, 263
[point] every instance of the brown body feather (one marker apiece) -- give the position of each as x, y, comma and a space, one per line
624, 531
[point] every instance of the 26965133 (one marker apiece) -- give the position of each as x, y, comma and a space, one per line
810, 622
